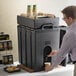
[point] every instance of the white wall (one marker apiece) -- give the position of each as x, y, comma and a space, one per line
71, 2
9, 9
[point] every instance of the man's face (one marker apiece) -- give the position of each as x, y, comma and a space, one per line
68, 20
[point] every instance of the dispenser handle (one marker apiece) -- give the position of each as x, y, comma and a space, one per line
46, 26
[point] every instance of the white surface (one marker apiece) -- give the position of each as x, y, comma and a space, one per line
61, 71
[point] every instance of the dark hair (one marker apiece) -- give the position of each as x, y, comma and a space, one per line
70, 11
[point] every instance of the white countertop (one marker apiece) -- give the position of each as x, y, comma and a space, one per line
61, 71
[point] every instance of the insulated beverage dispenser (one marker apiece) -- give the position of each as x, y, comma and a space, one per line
37, 38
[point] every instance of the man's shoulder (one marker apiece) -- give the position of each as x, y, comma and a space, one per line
70, 34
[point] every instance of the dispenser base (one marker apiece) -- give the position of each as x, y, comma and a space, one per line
25, 68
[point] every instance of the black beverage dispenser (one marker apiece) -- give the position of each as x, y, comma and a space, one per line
37, 38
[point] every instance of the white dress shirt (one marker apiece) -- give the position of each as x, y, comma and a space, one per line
68, 45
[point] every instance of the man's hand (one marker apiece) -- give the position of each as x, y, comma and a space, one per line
54, 52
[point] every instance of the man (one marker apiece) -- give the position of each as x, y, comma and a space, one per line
69, 39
